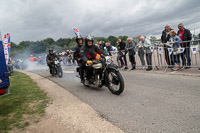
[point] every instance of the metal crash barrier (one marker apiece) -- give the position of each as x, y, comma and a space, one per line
159, 59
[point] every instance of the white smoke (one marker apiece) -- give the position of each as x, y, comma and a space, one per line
32, 66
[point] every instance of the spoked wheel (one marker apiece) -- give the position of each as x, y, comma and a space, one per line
115, 82
60, 72
85, 84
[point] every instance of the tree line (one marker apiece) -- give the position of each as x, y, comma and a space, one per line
41, 47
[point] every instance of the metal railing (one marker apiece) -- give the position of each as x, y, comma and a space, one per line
159, 54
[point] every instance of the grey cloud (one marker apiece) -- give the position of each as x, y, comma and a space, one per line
39, 19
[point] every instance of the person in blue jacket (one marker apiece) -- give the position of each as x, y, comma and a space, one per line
175, 41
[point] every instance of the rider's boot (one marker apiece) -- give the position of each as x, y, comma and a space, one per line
82, 81
87, 82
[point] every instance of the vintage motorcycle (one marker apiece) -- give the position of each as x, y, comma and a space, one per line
56, 68
104, 72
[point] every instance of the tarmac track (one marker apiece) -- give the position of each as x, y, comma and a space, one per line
150, 102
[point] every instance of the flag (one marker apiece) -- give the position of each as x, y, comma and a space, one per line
151, 48
170, 50
160, 50
76, 31
194, 49
6, 45
181, 50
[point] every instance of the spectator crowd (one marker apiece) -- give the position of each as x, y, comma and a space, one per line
143, 47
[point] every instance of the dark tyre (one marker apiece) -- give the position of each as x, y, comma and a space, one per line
115, 82
60, 72
53, 71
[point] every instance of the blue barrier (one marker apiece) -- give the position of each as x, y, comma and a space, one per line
4, 75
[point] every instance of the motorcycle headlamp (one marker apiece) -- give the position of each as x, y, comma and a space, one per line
108, 60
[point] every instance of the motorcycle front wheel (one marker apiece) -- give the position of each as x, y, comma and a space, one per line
60, 72
115, 82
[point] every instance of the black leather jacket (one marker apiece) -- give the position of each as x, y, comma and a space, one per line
164, 37
186, 37
51, 57
90, 52
77, 55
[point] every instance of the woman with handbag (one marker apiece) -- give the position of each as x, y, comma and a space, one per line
175, 41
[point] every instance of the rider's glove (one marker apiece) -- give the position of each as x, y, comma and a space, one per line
89, 62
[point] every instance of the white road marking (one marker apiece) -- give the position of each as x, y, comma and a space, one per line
68, 71
174, 72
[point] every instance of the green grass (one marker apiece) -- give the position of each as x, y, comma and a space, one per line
25, 104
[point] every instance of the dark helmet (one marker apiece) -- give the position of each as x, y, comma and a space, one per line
89, 38
50, 50
78, 37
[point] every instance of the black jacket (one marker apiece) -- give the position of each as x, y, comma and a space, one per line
122, 45
51, 57
90, 52
77, 55
164, 37
186, 37
131, 48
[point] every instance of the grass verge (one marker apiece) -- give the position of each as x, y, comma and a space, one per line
25, 105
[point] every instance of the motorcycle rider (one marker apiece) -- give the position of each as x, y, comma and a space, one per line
88, 54
77, 55
50, 57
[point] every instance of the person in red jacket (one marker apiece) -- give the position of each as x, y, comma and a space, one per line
185, 35
33, 59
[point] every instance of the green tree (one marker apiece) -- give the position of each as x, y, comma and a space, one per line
49, 40
112, 40
63, 42
123, 38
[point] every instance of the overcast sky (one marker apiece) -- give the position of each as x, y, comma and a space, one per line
38, 19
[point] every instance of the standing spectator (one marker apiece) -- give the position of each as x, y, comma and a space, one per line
40, 59
64, 58
109, 48
70, 58
141, 51
130, 47
102, 45
73, 60
185, 35
146, 45
119, 57
165, 38
175, 41
122, 46
199, 38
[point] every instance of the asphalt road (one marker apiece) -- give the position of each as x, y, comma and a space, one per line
150, 102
